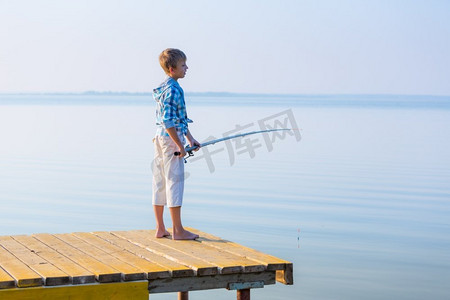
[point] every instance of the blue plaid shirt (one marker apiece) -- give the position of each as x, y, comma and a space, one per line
170, 107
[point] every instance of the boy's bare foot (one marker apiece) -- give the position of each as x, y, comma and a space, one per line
161, 233
184, 235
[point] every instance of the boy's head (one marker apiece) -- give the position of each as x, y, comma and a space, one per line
170, 59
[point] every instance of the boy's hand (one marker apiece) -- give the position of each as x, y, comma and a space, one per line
182, 152
193, 142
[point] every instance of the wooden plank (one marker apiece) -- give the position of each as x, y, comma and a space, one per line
136, 290
272, 262
286, 276
246, 285
129, 272
152, 270
175, 269
103, 272
6, 281
201, 267
78, 274
183, 284
22, 274
227, 262
49, 273
284, 268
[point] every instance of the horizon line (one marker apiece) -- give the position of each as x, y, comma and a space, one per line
123, 93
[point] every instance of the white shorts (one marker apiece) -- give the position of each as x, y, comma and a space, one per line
168, 173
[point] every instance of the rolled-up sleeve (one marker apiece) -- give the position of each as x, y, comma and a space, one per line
170, 105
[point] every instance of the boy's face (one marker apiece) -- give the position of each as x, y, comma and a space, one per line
179, 71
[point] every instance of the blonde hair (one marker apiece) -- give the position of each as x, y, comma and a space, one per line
170, 57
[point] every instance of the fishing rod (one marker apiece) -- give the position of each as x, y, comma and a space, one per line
190, 149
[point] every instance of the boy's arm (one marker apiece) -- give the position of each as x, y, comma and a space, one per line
192, 142
174, 136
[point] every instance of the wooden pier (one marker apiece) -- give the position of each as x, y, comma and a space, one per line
130, 265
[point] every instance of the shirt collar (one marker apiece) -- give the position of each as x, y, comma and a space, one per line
171, 81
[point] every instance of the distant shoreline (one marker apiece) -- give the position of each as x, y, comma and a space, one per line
214, 94
237, 99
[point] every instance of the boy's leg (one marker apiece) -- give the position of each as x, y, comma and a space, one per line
159, 189
160, 228
174, 186
179, 233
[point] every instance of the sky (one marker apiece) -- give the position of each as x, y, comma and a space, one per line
260, 46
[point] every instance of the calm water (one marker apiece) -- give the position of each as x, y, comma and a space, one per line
360, 205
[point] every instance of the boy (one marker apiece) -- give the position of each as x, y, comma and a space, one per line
172, 122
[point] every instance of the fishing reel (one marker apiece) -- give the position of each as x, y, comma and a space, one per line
189, 151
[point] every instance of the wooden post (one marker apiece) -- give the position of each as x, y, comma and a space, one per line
243, 294
183, 295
